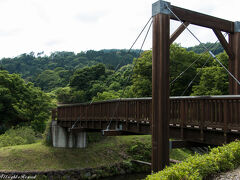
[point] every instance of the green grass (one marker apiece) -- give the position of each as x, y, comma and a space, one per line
18, 135
107, 152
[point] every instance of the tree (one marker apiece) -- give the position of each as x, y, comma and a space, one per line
30, 66
107, 95
142, 77
82, 78
216, 49
88, 81
213, 81
22, 104
63, 95
180, 59
48, 80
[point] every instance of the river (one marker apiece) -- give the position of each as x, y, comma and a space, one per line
127, 177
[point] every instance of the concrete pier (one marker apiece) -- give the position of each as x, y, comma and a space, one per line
81, 140
59, 135
71, 140
62, 138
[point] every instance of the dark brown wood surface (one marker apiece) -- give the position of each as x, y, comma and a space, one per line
202, 19
160, 92
224, 43
179, 30
235, 62
230, 65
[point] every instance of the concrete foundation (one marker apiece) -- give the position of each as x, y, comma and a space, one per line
81, 140
71, 140
62, 138
59, 135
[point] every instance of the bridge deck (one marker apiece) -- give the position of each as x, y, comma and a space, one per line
207, 119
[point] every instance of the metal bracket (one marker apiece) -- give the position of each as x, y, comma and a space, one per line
160, 7
170, 145
237, 26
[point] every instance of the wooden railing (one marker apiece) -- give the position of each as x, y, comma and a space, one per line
221, 112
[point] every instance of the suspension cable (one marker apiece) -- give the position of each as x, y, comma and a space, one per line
195, 76
139, 34
186, 27
116, 69
210, 52
135, 40
200, 69
193, 63
130, 75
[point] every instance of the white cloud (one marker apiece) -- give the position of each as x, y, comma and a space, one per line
79, 25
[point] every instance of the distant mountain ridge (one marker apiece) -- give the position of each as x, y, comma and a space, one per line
215, 48
31, 65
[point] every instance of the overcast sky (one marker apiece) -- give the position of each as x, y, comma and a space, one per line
80, 25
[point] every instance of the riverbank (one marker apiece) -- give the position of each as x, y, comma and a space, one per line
119, 169
107, 153
234, 174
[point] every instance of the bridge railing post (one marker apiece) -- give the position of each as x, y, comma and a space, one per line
225, 119
182, 117
202, 117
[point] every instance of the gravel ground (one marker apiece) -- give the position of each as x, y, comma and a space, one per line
234, 174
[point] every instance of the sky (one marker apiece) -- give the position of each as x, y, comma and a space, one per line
80, 25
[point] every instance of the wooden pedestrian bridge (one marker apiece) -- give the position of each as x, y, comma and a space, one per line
204, 119
211, 120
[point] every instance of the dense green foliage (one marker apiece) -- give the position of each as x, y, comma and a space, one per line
213, 79
198, 166
141, 151
180, 60
17, 136
94, 83
49, 72
97, 82
22, 104
216, 49
88, 76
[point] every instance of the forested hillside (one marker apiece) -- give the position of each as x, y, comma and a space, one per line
89, 76
49, 72
216, 49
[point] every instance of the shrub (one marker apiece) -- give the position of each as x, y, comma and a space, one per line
47, 135
17, 136
94, 137
196, 167
140, 151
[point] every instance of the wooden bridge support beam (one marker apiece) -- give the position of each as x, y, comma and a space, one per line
160, 91
234, 63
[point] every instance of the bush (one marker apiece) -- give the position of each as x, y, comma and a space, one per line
94, 137
47, 135
17, 136
219, 159
140, 151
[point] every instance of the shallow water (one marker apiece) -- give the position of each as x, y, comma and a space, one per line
127, 177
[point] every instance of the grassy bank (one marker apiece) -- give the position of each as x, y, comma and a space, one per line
107, 152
